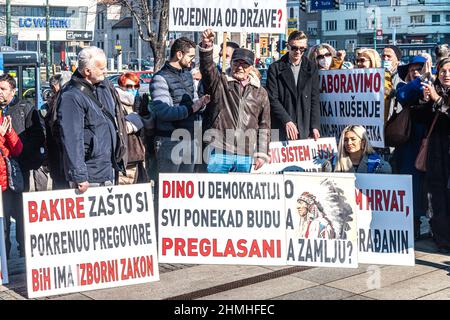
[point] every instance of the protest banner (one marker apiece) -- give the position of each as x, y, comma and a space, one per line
298, 155
385, 219
222, 219
321, 220
102, 238
261, 16
3, 262
352, 97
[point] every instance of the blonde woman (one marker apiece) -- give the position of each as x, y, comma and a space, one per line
368, 58
355, 154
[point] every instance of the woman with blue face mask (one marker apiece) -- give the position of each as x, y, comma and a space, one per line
128, 92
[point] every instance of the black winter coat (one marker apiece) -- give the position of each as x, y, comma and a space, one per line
88, 137
26, 123
290, 103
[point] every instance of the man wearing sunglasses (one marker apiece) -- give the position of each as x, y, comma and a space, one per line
293, 87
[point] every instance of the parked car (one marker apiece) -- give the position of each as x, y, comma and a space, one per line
145, 76
145, 64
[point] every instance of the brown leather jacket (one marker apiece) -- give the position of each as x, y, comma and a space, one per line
238, 117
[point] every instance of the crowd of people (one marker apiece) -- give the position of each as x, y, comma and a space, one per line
90, 133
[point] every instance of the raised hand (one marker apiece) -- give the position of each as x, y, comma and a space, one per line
5, 126
207, 38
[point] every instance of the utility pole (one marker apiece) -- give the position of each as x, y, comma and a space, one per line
374, 30
8, 22
47, 39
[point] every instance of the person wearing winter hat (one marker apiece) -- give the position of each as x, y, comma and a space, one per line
239, 108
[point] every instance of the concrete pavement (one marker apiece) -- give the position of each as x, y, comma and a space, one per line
429, 279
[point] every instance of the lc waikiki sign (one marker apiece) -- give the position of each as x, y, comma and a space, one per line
59, 23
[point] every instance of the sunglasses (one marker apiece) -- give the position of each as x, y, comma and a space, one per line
418, 69
322, 56
361, 60
301, 49
241, 63
132, 86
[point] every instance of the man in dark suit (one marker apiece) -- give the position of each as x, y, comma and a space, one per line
293, 87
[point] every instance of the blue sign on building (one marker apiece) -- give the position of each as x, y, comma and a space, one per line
42, 23
322, 4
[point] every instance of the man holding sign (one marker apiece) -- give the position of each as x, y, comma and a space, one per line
243, 117
293, 87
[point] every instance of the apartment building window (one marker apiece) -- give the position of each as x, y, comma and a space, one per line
435, 18
417, 19
291, 12
350, 24
447, 17
351, 6
331, 25
394, 21
332, 43
131, 40
312, 28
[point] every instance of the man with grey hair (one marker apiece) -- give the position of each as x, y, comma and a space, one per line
90, 125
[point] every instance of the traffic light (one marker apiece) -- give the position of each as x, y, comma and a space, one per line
336, 4
278, 46
303, 5
281, 45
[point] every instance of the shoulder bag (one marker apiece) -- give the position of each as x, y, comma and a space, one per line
398, 128
421, 159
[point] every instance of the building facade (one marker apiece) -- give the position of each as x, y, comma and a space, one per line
363, 23
71, 27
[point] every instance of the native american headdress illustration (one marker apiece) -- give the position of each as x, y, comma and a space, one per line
336, 207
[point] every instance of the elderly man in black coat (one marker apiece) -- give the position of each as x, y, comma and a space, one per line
293, 87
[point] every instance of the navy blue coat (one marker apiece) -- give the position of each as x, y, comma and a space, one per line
87, 136
172, 97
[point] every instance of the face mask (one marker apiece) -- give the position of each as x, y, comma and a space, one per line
227, 64
325, 62
386, 64
134, 92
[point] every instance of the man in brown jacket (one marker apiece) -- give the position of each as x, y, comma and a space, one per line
239, 109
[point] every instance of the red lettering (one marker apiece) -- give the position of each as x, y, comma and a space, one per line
229, 249
32, 211
167, 243
178, 189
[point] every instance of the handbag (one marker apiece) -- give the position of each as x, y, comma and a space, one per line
398, 128
14, 173
136, 149
421, 159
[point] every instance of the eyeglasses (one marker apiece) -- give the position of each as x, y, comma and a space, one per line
418, 69
132, 86
444, 72
322, 56
301, 49
241, 63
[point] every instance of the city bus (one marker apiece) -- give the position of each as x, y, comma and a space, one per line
23, 66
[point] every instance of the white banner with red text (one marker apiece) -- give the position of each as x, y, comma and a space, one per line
298, 155
221, 219
260, 16
352, 97
385, 219
102, 238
